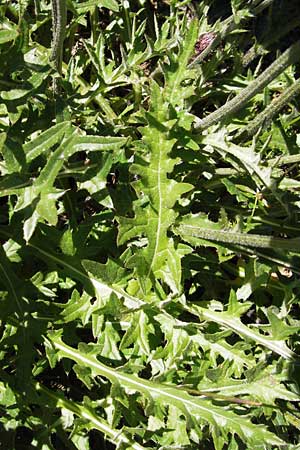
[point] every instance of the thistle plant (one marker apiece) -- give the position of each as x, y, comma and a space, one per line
149, 260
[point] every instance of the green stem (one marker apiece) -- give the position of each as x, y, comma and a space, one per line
290, 56
283, 228
235, 238
59, 22
264, 118
106, 108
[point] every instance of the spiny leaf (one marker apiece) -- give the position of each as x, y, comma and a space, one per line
99, 275
44, 141
118, 437
105, 279
230, 319
138, 334
247, 157
157, 192
74, 144
179, 332
193, 408
267, 389
176, 72
42, 195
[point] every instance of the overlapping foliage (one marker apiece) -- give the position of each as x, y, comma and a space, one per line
150, 226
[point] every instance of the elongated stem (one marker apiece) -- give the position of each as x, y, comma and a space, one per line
265, 117
248, 240
290, 56
59, 22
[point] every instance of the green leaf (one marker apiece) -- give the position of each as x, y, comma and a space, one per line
267, 389
108, 343
176, 72
3, 137
45, 140
138, 334
74, 144
182, 335
246, 156
14, 96
192, 408
46, 206
126, 150
11, 283
41, 197
12, 154
8, 35
279, 329
230, 320
154, 217
12, 184
30, 225
105, 278
118, 437
79, 307
157, 192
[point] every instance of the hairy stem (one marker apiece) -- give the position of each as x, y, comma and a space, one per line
264, 118
59, 22
290, 56
248, 240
